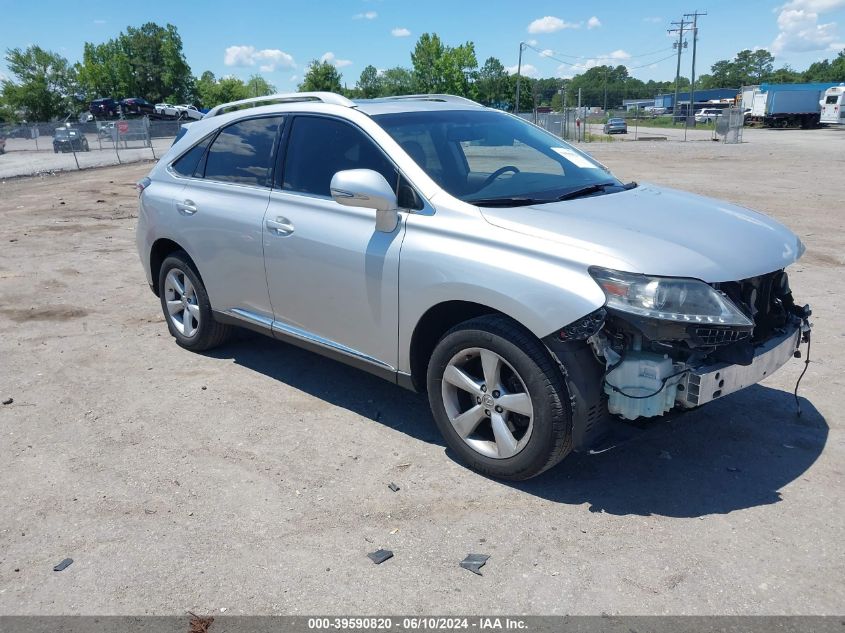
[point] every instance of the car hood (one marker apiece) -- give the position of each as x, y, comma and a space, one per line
661, 231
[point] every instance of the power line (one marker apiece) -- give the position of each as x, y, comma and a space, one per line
545, 53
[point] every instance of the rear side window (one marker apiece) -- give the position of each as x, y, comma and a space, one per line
832, 99
242, 152
320, 147
187, 165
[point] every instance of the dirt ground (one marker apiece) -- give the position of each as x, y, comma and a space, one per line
254, 479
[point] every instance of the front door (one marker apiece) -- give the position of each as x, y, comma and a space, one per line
333, 279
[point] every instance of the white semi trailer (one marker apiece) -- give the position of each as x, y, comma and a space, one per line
833, 106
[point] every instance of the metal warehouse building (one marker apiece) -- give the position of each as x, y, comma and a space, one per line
701, 98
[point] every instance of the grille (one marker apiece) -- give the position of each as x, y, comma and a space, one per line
718, 336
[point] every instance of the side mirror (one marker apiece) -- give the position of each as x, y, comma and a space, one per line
368, 189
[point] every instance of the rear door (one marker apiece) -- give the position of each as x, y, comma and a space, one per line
332, 278
220, 213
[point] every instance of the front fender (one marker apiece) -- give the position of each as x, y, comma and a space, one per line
541, 292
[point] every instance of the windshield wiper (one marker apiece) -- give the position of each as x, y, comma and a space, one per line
507, 202
585, 191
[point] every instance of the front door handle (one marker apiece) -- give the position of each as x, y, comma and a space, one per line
280, 226
186, 207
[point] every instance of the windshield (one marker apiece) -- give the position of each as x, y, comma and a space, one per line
484, 156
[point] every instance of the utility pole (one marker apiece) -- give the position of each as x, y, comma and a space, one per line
694, 17
680, 30
518, 77
605, 90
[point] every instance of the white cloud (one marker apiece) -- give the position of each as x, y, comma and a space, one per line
294, 78
269, 59
593, 23
528, 70
799, 29
334, 61
547, 53
653, 19
367, 15
3, 76
99, 21
551, 24
400, 32
532, 42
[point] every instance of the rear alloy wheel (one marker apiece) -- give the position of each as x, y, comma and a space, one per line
186, 307
499, 399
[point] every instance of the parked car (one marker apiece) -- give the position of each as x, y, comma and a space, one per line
616, 126
530, 293
165, 109
106, 130
104, 108
69, 139
137, 105
707, 115
187, 111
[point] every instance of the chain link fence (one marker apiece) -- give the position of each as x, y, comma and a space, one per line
729, 125
35, 148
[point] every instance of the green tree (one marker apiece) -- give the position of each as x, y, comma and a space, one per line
784, 75
827, 70
142, 62
258, 86
490, 82
397, 81
43, 87
443, 69
205, 90
230, 89
369, 83
321, 76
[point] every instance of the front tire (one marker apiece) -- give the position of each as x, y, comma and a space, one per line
499, 399
186, 308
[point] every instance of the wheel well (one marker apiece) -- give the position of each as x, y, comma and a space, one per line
160, 250
430, 329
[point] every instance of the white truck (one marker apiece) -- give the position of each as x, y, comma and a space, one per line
833, 106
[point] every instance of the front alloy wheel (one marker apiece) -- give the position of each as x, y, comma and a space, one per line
487, 403
499, 398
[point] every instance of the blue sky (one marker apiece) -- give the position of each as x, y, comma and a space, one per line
278, 38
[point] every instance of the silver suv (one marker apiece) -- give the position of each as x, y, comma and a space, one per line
462, 251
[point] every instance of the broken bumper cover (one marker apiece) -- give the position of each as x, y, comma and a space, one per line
704, 384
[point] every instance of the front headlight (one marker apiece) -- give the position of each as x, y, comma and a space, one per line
670, 299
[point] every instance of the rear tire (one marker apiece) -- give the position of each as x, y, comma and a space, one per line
520, 423
186, 308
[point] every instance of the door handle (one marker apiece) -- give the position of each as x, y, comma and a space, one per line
186, 207
280, 226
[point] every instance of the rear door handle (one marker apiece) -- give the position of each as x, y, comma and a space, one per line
280, 226
186, 207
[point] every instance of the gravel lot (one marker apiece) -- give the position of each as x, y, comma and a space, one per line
254, 479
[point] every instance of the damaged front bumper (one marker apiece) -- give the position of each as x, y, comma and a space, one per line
700, 385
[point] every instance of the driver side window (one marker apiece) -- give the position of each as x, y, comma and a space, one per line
319, 147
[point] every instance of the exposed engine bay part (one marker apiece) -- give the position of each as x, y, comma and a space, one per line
640, 384
658, 362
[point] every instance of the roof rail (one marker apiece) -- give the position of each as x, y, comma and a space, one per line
432, 97
282, 97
